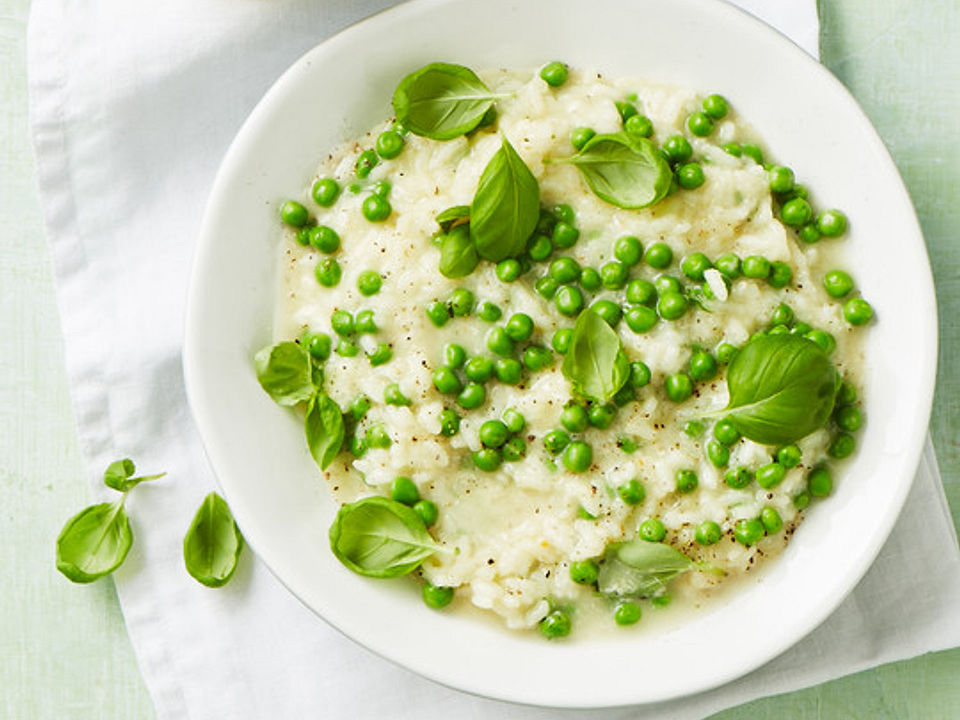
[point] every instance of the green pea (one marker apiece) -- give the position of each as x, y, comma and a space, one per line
555, 625
640, 292
580, 136
837, 283
437, 597
756, 266
708, 533
796, 213
693, 428
789, 456
728, 265
677, 149
454, 355
546, 287
716, 106
614, 274
515, 449
303, 235
565, 270
627, 612
554, 73
323, 238
652, 530
499, 342
770, 475
565, 213
358, 446
825, 340
472, 396
590, 279
377, 437
449, 423
536, 358
488, 311
487, 459
555, 441
461, 302
364, 323
658, 255
632, 492
381, 355
672, 306
718, 454
847, 394
849, 418
831, 223
369, 282
819, 482
628, 250
478, 368
561, 340
608, 310
638, 126
519, 327
687, 480
748, 532
703, 366
404, 490
690, 175
857, 311
639, 374
601, 416
626, 109
493, 433
725, 432
753, 152
695, 265
726, 352
732, 148
328, 272
809, 233
569, 300
678, 387
381, 188
574, 418
393, 396
780, 274
540, 248
318, 344
842, 446
325, 192
565, 235
738, 478
584, 572
782, 315
366, 161
445, 380
640, 318
347, 348
438, 313
376, 208
801, 501
508, 270
781, 179
389, 144
342, 323
508, 371
771, 520
577, 456
294, 214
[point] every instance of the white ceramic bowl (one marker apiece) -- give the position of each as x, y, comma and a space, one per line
344, 86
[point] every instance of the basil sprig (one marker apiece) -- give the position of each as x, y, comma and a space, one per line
595, 362
289, 375
782, 388
622, 170
381, 538
442, 101
119, 476
506, 206
641, 569
213, 543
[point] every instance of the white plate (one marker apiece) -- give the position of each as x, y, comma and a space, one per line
344, 86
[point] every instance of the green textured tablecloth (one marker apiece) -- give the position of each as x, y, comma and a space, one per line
64, 652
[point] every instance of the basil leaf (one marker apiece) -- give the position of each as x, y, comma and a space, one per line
378, 537
458, 254
441, 101
506, 207
622, 170
118, 476
782, 388
213, 543
638, 568
452, 217
284, 372
94, 542
595, 362
324, 429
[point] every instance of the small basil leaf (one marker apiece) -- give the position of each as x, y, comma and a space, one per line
638, 568
623, 170
453, 216
213, 543
441, 101
458, 254
782, 388
284, 372
379, 537
506, 207
595, 362
94, 542
324, 429
118, 476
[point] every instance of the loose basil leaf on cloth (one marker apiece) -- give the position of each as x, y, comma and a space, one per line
324, 429
94, 542
458, 254
119, 476
782, 388
622, 170
506, 207
441, 101
379, 537
213, 543
595, 362
638, 568
284, 372
452, 217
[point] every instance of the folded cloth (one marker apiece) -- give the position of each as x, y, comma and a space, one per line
132, 111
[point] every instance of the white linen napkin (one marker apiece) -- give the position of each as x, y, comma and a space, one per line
131, 113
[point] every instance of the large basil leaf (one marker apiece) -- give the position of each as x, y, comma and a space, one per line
94, 542
284, 372
441, 101
595, 362
506, 207
638, 568
622, 170
378, 537
782, 388
324, 429
213, 543
119, 476
458, 254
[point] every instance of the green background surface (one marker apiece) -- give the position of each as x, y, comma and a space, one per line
64, 651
